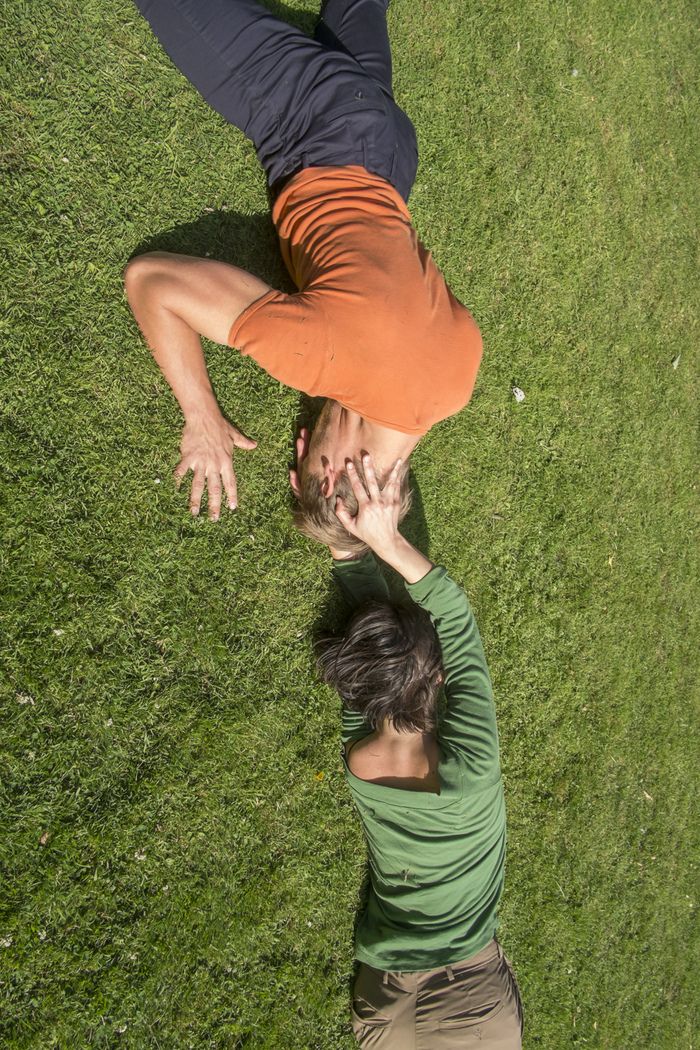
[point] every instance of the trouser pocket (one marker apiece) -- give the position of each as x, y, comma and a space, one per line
382, 1010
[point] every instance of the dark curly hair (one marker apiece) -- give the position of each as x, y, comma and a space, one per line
386, 665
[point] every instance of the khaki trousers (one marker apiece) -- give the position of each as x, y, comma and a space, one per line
475, 1002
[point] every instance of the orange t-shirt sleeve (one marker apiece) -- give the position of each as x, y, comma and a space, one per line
287, 335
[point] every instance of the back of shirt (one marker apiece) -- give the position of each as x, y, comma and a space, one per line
374, 325
436, 861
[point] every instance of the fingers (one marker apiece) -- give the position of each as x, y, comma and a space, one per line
344, 516
214, 497
229, 479
197, 490
393, 484
241, 441
356, 484
179, 473
216, 484
370, 477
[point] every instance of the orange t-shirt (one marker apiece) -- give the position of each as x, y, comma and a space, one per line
373, 325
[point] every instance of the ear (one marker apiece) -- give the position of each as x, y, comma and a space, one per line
302, 445
302, 450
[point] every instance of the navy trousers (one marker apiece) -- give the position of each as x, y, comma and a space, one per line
303, 102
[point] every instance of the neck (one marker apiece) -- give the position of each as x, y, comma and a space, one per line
386, 445
409, 742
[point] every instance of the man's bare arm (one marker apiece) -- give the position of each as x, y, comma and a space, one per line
175, 300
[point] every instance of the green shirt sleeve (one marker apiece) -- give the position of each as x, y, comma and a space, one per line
469, 723
361, 581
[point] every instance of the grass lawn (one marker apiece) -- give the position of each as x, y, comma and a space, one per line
181, 865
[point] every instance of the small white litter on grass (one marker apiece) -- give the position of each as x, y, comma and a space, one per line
156, 481
518, 394
58, 632
676, 361
41, 934
140, 854
6, 942
24, 698
574, 72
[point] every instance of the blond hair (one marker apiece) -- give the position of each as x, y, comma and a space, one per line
315, 515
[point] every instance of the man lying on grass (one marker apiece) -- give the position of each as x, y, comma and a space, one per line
373, 326
427, 785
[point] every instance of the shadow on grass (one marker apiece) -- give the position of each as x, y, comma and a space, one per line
248, 241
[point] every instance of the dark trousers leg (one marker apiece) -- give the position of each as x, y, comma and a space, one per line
226, 49
359, 28
263, 75
300, 101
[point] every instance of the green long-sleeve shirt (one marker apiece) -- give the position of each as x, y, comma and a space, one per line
436, 861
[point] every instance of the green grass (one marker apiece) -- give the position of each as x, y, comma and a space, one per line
181, 865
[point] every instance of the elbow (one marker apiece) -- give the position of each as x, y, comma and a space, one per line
141, 274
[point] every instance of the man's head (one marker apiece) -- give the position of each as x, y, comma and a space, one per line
387, 666
321, 478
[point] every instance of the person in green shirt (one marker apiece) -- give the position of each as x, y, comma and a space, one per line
427, 785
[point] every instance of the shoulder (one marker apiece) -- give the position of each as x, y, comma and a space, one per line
363, 760
354, 752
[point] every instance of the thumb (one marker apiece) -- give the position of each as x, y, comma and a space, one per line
344, 516
241, 441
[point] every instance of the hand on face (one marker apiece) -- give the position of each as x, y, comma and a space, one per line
377, 518
206, 449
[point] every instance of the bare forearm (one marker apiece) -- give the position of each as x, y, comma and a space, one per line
178, 352
175, 300
405, 559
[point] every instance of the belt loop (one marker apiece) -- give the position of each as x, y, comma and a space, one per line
385, 977
450, 974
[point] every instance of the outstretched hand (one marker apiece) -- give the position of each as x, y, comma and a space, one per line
207, 449
377, 519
